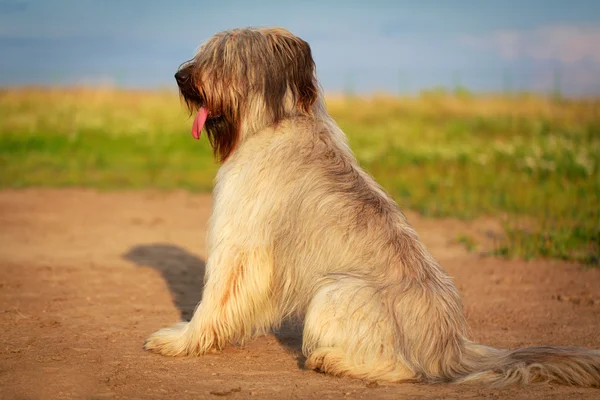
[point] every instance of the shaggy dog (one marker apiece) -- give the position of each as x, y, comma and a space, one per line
299, 229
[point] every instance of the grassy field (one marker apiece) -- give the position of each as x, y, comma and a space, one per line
532, 162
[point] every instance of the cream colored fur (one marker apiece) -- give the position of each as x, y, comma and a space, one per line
299, 229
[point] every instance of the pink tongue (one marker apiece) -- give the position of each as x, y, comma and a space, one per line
199, 122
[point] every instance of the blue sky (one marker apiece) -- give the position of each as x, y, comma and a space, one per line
365, 46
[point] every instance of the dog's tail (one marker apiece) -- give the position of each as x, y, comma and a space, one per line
565, 365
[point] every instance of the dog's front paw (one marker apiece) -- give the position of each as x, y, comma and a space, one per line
171, 341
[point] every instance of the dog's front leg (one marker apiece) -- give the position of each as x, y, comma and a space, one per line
235, 305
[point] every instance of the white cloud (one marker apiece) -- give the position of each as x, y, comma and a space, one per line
569, 44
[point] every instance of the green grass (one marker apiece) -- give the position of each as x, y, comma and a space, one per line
534, 163
467, 241
94, 159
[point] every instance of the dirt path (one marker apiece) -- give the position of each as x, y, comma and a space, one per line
85, 277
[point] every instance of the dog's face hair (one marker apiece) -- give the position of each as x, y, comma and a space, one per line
248, 79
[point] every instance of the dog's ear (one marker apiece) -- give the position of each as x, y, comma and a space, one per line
292, 68
302, 79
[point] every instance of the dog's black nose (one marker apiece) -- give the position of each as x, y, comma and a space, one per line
181, 77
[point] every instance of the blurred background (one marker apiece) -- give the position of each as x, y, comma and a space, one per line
359, 46
459, 108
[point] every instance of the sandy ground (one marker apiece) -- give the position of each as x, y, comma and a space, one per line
85, 277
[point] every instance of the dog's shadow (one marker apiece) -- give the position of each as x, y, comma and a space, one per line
182, 271
184, 274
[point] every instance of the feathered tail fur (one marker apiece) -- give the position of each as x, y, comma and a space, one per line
564, 365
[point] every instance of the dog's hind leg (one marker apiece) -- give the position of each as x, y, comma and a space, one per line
236, 304
349, 331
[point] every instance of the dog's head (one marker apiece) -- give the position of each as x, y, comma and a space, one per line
243, 80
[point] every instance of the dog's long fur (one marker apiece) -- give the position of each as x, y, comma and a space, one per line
299, 229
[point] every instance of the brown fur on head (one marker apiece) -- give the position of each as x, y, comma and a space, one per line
248, 79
